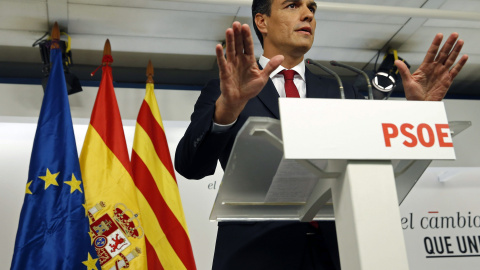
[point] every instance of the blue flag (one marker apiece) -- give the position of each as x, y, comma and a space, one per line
53, 232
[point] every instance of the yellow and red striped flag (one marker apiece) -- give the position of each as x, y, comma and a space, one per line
164, 221
116, 227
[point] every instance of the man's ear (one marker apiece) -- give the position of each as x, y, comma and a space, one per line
261, 21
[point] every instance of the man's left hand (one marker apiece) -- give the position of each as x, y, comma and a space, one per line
435, 75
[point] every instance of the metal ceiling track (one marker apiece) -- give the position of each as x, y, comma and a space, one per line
368, 9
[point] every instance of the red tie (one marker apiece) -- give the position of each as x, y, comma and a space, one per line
290, 88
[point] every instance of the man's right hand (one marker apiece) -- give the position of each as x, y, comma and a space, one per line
240, 77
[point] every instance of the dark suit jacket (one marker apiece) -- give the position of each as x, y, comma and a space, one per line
267, 245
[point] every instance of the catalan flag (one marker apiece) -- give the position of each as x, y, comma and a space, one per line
53, 227
168, 242
116, 225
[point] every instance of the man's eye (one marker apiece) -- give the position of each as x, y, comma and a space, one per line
312, 10
291, 6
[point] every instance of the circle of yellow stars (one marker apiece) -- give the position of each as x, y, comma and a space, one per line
51, 179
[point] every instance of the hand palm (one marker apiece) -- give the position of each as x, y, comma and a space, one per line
435, 75
240, 77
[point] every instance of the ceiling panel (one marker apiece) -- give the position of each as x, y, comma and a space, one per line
164, 5
144, 44
461, 5
23, 15
382, 19
420, 41
457, 5
393, 3
140, 22
19, 38
321, 16
367, 36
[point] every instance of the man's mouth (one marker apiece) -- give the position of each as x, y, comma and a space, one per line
306, 30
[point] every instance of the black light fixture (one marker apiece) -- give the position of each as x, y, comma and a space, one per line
73, 83
386, 77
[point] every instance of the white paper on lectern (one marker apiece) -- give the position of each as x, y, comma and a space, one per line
352, 129
292, 182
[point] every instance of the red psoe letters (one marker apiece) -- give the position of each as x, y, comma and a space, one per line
423, 134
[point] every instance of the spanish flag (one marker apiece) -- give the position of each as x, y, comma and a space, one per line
168, 243
116, 227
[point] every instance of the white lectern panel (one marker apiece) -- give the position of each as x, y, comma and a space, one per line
365, 130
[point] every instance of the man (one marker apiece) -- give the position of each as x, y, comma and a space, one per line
286, 29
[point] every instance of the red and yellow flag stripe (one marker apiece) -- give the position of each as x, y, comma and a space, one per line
160, 203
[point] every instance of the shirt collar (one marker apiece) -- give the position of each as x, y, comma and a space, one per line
300, 68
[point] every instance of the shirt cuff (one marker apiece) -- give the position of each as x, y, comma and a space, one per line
218, 128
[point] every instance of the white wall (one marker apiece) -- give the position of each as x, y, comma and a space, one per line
25, 100
20, 105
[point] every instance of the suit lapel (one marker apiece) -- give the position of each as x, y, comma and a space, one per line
269, 97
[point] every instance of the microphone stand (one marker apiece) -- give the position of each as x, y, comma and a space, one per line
329, 71
358, 71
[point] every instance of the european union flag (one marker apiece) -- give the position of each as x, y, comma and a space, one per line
53, 232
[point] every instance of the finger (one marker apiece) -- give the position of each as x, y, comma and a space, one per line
456, 69
447, 47
237, 33
230, 44
247, 40
403, 70
221, 61
432, 51
454, 54
273, 64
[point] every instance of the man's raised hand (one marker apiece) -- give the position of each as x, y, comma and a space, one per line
240, 77
433, 78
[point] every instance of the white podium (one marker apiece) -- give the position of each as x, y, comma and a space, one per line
354, 154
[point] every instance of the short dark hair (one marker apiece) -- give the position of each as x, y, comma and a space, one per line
262, 7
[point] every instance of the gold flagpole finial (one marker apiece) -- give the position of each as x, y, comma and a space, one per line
150, 72
107, 57
107, 49
55, 34
107, 53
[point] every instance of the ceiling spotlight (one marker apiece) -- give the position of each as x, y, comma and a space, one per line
386, 77
73, 83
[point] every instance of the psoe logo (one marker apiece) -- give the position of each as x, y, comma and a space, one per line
423, 134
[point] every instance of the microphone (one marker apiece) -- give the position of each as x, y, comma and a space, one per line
329, 71
358, 71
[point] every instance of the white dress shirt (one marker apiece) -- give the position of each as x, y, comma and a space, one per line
279, 81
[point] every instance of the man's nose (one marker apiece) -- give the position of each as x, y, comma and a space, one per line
307, 14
